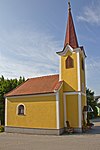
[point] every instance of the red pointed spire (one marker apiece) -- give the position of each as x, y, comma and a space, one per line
70, 37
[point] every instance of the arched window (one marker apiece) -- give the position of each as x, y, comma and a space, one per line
21, 110
69, 62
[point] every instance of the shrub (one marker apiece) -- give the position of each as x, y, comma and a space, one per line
1, 128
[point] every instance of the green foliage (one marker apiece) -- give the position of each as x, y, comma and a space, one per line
1, 128
6, 85
92, 103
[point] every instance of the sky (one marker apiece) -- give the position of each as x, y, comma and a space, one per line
32, 31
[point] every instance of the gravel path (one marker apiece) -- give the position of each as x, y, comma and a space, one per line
87, 141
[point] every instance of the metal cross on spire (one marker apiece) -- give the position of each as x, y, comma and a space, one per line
69, 5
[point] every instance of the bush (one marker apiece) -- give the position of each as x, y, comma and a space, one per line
1, 128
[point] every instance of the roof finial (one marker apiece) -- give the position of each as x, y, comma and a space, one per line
69, 5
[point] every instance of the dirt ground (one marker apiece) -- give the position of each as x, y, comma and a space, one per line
87, 141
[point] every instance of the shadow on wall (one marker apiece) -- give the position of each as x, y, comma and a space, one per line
68, 88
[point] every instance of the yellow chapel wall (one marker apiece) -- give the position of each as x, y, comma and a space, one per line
69, 76
72, 110
82, 72
84, 103
40, 112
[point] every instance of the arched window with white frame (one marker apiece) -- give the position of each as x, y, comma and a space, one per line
21, 109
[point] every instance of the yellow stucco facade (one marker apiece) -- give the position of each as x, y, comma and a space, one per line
40, 112
74, 87
72, 110
70, 83
61, 104
82, 72
83, 97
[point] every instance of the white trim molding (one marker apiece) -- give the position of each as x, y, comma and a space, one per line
59, 88
65, 116
78, 71
57, 111
36, 95
84, 73
65, 50
5, 111
80, 110
71, 93
74, 93
84, 94
60, 69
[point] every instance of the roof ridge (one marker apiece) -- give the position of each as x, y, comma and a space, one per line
44, 76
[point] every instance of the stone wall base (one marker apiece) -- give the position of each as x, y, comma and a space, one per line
78, 130
34, 131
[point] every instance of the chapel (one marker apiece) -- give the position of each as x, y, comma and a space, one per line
42, 105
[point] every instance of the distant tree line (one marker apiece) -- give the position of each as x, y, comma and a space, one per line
6, 85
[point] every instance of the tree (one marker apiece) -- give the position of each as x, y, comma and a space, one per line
91, 102
6, 85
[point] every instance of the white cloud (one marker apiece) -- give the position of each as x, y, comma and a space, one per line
34, 54
91, 14
28, 55
93, 74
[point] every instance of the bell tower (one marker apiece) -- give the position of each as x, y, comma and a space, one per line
72, 73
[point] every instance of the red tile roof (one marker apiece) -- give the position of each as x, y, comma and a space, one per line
39, 85
70, 37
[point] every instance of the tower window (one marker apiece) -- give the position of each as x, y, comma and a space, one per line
69, 62
21, 110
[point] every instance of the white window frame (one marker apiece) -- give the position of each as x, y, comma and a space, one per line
17, 109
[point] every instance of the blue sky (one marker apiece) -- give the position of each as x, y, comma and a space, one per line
31, 31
